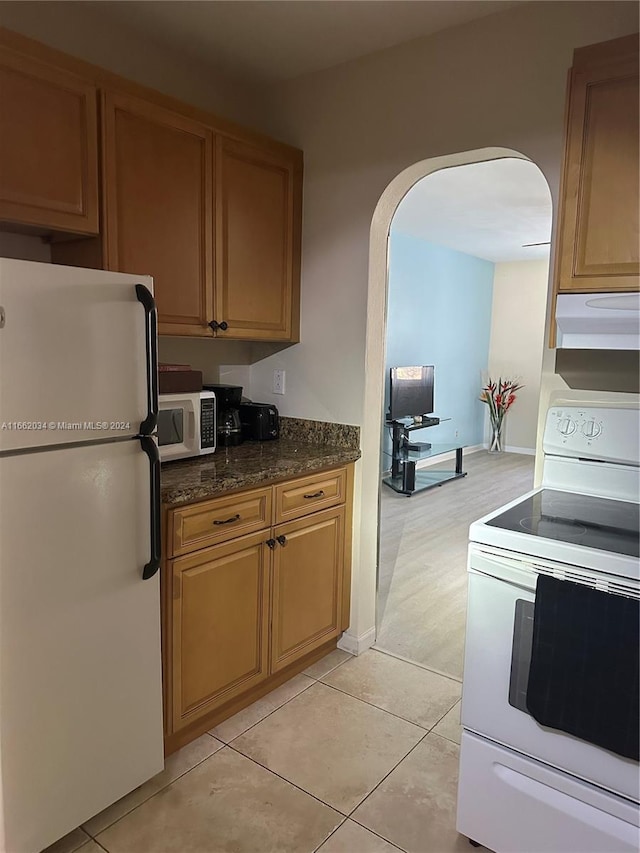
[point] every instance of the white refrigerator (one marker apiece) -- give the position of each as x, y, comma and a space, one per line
80, 664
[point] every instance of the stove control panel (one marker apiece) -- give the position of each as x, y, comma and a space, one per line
592, 432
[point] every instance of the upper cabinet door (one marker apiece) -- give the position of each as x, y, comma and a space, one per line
158, 203
48, 147
599, 225
258, 215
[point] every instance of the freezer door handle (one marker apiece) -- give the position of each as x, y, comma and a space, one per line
151, 449
143, 293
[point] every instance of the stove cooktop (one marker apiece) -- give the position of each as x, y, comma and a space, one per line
602, 523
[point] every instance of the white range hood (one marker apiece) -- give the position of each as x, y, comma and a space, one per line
608, 321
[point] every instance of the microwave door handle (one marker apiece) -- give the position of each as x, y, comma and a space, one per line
144, 296
151, 449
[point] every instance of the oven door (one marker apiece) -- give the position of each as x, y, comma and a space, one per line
178, 427
497, 656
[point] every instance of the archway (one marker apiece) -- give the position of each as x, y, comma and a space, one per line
362, 631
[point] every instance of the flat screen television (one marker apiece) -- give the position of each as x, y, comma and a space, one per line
410, 392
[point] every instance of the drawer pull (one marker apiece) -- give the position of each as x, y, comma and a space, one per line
271, 543
236, 517
319, 494
282, 540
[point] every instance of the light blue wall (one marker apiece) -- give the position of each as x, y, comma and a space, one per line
439, 312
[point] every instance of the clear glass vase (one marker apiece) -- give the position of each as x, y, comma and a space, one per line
495, 441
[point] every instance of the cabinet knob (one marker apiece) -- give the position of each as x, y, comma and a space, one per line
271, 543
214, 325
282, 540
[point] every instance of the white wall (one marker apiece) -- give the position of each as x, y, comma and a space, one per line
499, 81
517, 341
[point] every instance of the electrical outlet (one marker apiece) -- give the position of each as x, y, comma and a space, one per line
455, 434
278, 381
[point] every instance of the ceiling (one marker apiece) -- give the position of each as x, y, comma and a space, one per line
490, 210
273, 40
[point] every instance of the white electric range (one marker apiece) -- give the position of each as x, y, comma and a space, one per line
526, 788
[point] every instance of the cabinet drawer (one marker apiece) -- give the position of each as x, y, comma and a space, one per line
208, 523
308, 494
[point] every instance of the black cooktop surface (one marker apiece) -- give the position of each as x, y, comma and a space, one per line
602, 523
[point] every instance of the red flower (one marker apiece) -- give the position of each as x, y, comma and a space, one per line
499, 396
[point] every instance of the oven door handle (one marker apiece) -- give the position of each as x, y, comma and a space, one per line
519, 573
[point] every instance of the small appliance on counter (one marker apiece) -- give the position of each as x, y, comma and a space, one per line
186, 424
259, 421
228, 398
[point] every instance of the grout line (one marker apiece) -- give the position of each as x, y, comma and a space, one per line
431, 730
219, 740
289, 782
333, 668
266, 716
384, 838
378, 708
372, 831
395, 766
415, 663
397, 716
332, 833
146, 800
101, 846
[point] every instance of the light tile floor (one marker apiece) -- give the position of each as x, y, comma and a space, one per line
356, 755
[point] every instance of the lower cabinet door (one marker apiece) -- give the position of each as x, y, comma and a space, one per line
307, 585
220, 625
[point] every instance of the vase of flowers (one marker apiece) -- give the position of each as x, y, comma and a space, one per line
499, 397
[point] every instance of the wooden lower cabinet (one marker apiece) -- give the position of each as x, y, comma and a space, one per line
307, 585
243, 615
220, 625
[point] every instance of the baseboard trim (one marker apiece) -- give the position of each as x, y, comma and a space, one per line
357, 645
510, 448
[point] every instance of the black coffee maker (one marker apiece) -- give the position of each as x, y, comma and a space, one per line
229, 428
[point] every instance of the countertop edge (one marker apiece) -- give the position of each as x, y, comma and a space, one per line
176, 496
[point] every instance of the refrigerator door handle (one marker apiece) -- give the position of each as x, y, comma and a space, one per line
151, 449
144, 296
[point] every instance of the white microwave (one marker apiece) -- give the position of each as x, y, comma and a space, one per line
186, 424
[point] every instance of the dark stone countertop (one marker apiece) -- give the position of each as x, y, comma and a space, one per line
253, 463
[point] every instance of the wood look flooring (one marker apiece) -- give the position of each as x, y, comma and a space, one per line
422, 582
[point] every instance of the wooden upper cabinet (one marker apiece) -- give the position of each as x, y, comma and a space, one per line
212, 211
48, 147
158, 193
599, 222
258, 213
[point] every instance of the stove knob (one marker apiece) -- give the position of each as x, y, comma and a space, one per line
591, 429
566, 426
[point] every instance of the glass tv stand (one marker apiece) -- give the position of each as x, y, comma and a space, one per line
405, 479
